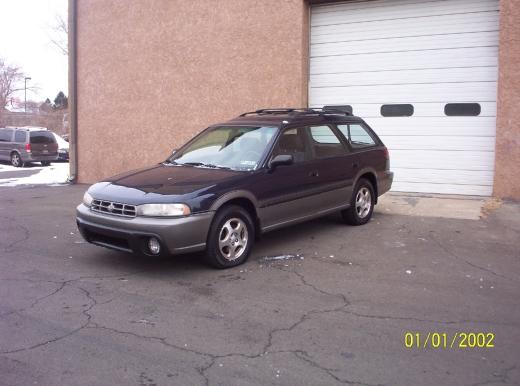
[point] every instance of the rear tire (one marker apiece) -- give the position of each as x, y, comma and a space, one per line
361, 204
16, 160
231, 237
45, 163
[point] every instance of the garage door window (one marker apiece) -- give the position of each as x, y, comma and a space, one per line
398, 110
357, 135
462, 109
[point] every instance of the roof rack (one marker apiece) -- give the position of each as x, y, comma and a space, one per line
299, 111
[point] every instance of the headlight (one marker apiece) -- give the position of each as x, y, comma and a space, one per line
87, 199
163, 210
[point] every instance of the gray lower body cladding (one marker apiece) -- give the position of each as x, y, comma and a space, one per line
131, 234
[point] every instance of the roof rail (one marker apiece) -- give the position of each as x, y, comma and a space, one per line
298, 111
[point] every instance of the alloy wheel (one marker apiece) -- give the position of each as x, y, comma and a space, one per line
363, 202
233, 239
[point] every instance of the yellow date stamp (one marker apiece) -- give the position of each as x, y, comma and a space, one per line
444, 340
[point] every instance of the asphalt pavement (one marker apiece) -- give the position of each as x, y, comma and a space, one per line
321, 303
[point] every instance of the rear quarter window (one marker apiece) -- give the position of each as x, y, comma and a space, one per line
357, 135
42, 137
20, 136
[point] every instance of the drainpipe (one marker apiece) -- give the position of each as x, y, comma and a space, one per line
73, 97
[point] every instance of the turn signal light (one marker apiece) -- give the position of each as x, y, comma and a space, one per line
28, 147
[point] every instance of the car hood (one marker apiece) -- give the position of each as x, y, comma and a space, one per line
162, 183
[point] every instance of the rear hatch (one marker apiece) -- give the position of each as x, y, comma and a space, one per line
43, 143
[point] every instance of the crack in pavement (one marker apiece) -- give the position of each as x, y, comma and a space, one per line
502, 375
453, 254
58, 338
411, 318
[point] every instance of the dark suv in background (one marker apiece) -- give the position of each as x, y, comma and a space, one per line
256, 173
28, 144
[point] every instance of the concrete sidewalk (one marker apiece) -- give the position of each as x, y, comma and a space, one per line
334, 310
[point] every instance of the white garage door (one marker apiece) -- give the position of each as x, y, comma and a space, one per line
431, 63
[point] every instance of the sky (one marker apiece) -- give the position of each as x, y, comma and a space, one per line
26, 29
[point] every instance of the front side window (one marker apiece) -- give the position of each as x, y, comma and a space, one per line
292, 142
357, 135
237, 148
19, 136
325, 143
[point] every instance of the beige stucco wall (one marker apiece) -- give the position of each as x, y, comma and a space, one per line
507, 158
152, 73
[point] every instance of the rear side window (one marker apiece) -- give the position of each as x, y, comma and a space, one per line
357, 135
42, 137
5, 135
19, 136
325, 143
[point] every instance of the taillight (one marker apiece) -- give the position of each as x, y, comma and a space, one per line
28, 147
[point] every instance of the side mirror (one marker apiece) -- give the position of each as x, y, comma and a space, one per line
279, 160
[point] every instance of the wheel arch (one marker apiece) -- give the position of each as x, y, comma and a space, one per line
241, 198
370, 175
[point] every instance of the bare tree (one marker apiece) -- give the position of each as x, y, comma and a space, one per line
11, 81
60, 34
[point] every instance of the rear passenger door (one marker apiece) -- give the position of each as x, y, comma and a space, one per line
335, 166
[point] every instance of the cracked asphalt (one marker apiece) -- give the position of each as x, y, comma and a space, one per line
76, 314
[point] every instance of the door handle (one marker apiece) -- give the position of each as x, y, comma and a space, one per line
314, 173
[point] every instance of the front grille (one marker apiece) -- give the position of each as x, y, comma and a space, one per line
115, 208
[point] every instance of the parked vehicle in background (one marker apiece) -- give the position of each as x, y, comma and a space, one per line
258, 172
21, 145
63, 148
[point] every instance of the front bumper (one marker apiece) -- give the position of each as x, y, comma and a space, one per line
176, 235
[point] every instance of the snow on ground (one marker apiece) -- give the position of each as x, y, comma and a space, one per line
57, 173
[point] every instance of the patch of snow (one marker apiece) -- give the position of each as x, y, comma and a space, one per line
282, 257
54, 175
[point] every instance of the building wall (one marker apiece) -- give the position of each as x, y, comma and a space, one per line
153, 73
507, 158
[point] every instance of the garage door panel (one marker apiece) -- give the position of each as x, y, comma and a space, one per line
406, 93
423, 187
390, 12
438, 159
435, 176
445, 58
432, 142
488, 74
372, 112
448, 24
463, 40
436, 126
425, 53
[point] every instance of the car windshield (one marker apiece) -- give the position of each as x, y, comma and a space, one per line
237, 148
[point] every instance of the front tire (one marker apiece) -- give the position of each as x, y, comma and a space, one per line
361, 204
16, 160
231, 237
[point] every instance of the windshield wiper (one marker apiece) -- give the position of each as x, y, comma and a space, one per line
205, 165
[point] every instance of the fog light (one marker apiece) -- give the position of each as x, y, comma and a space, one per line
154, 246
